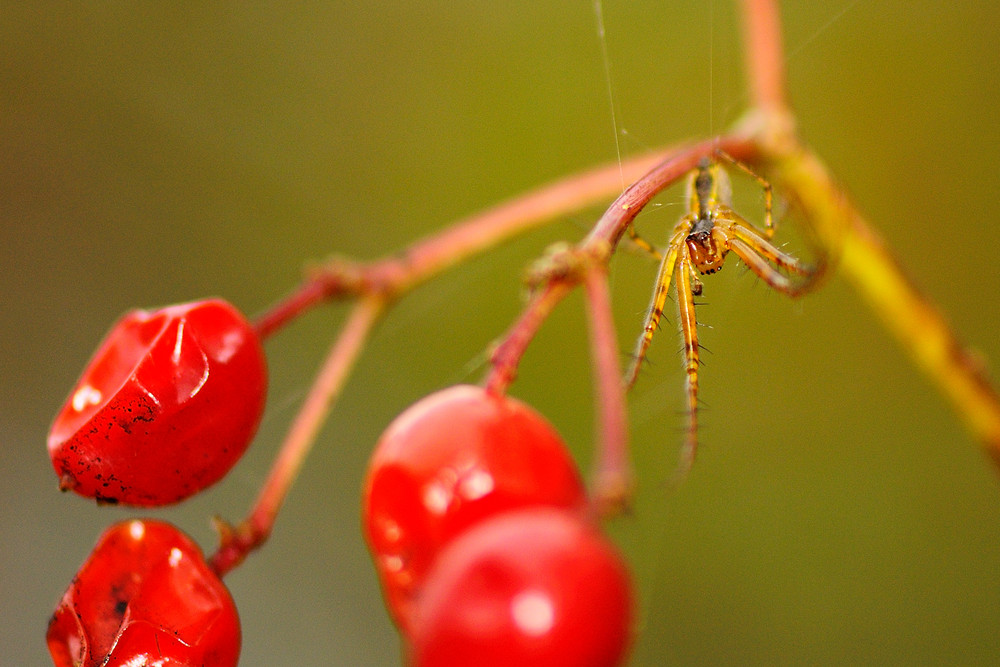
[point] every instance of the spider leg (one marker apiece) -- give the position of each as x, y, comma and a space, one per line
769, 263
770, 275
689, 332
656, 304
642, 243
744, 231
764, 184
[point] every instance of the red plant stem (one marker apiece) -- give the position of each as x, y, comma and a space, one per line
485, 230
507, 355
613, 480
767, 136
253, 531
394, 275
764, 56
616, 219
381, 281
307, 295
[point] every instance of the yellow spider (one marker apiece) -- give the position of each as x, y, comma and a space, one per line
700, 242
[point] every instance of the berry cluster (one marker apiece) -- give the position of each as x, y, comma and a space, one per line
473, 508
165, 408
477, 521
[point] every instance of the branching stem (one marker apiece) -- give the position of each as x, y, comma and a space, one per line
765, 139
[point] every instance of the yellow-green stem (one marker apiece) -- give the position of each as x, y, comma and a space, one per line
864, 259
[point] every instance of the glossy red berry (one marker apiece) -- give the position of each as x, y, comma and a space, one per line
145, 596
534, 587
165, 408
446, 463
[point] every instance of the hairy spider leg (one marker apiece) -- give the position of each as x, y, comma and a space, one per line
642, 243
689, 332
655, 311
760, 255
764, 184
708, 190
704, 189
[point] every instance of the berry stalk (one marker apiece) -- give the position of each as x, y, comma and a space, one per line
237, 541
613, 477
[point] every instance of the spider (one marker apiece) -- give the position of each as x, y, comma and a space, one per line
699, 245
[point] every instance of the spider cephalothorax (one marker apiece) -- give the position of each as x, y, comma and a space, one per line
707, 247
698, 245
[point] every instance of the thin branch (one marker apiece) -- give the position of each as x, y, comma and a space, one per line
396, 274
564, 268
910, 315
613, 480
765, 57
848, 239
310, 293
616, 219
238, 541
507, 355
485, 230
766, 138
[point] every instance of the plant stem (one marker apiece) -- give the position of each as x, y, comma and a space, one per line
507, 355
846, 237
377, 284
310, 293
613, 479
485, 230
394, 275
919, 326
238, 541
764, 56
767, 138
616, 219
600, 243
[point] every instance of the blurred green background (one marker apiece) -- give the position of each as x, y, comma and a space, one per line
152, 153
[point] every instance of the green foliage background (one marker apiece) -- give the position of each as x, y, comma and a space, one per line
158, 152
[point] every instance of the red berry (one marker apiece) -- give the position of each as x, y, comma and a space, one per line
165, 408
145, 596
534, 587
446, 463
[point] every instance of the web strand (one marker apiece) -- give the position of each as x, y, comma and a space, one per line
599, 14
819, 31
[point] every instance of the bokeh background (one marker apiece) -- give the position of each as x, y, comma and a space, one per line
154, 153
